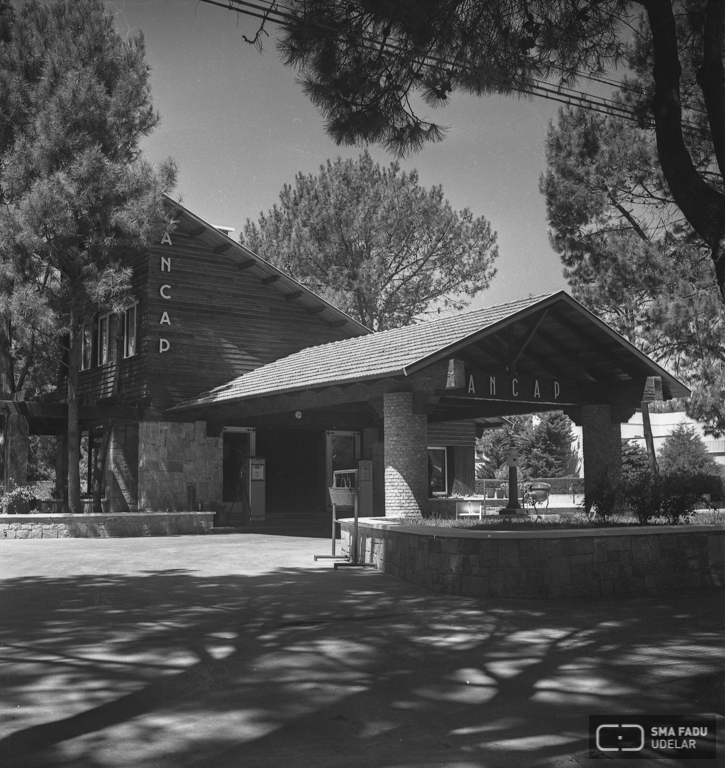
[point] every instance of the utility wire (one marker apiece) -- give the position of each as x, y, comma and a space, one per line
539, 88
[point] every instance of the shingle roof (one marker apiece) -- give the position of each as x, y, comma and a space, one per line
378, 354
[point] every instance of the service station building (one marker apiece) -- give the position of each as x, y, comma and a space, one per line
225, 381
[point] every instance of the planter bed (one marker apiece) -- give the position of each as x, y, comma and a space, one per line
105, 526
545, 563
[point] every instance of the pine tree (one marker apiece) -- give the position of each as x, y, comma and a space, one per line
548, 450
684, 452
635, 461
494, 444
628, 255
78, 201
375, 242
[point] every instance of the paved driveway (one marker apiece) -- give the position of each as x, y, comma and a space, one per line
240, 651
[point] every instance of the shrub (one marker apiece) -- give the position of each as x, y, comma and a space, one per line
681, 494
642, 495
19, 501
605, 496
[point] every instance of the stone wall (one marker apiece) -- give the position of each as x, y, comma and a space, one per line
533, 564
104, 526
122, 468
173, 455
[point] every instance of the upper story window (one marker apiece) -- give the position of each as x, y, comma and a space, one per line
86, 346
109, 327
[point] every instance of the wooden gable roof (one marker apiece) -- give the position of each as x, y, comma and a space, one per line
541, 336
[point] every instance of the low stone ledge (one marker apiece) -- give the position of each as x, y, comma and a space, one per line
105, 526
544, 563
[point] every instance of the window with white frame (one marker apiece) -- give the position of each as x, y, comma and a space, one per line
437, 470
86, 346
107, 327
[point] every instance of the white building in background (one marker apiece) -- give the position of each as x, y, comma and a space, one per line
663, 424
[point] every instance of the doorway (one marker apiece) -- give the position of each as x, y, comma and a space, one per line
238, 444
342, 450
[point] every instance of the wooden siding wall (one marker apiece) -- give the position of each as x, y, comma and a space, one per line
224, 321
461, 434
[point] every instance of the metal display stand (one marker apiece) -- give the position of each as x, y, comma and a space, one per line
333, 556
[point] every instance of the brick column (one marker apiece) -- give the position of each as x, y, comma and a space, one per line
406, 456
601, 446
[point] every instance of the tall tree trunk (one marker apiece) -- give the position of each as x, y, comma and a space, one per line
7, 379
702, 205
61, 470
74, 442
649, 440
99, 466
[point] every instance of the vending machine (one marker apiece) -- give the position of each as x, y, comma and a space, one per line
256, 481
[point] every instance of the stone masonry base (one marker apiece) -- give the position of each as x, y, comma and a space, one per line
535, 564
104, 526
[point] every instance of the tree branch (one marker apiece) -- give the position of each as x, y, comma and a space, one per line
627, 215
711, 77
703, 206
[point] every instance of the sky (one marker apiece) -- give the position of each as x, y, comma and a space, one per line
239, 127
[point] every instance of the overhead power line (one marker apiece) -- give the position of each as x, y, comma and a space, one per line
572, 97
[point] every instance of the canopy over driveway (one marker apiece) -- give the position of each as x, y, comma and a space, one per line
535, 354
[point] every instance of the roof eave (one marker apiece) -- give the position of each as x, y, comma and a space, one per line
188, 405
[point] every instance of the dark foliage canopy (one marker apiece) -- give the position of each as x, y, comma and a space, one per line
369, 64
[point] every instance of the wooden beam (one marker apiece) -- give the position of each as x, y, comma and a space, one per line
315, 310
528, 335
337, 324
32, 409
222, 248
246, 264
293, 296
196, 232
271, 279
447, 412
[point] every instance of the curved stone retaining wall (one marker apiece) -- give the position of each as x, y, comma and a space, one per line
53, 526
560, 563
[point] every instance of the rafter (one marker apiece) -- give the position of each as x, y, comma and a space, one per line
592, 343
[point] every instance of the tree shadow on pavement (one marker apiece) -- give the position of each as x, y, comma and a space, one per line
330, 668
